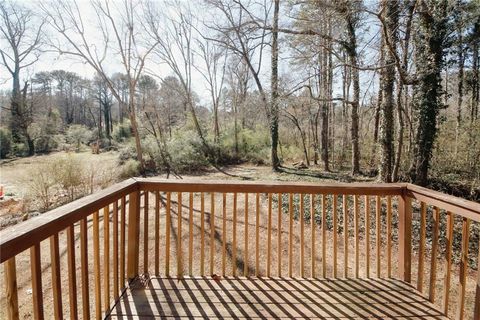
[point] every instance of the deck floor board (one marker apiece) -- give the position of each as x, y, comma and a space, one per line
269, 298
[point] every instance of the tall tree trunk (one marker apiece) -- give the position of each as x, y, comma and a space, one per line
388, 79
274, 90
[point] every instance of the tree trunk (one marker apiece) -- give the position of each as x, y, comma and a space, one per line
274, 90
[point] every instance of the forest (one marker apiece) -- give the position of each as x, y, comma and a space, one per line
387, 89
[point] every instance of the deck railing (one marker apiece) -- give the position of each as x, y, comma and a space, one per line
205, 228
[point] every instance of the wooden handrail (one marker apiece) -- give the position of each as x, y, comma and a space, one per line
22, 236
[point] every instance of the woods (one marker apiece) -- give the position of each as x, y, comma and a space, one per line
386, 88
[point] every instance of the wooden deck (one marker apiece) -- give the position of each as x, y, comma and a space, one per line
267, 298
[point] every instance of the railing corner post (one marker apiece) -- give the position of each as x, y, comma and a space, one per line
133, 234
405, 237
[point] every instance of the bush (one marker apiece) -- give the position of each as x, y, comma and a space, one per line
70, 174
42, 183
122, 131
78, 135
20, 150
186, 152
5, 143
130, 169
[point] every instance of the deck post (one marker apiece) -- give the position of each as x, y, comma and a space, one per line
11, 289
405, 238
133, 234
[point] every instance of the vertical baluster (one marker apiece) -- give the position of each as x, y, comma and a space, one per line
167, 234
179, 236
56, 281
84, 264
367, 236
405, 238
279, 236
106, 257
345, 234
389, 236
212, 231
115, 249
72, 272
448, 262
421, 249
476, 311
312, 227
190, 235
356, 228
269, 234
145, 231
290, 235
378, 225
302, 233
37, 293
433, 261
335, 231
123, 225
202, 234
324, 235
157, 233
96, 265
245, 259
224, 233
234, 245
11, 290
463, 268
257, 234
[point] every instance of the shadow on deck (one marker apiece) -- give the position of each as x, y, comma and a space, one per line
267, 298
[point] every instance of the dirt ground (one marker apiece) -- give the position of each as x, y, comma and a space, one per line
223, 243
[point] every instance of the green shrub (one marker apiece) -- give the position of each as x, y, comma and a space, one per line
78, 135
5, 143
71, 176
45, 144
20, 150
131, 168
186, 152
122, 131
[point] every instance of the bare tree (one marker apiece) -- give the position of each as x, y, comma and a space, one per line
22, 32
118, 21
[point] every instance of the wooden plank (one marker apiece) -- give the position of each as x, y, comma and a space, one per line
56, 279
145, 232
202, 234
224, 234
378, 233
11, 289
246, 257
115, 250
324, 235
168, 222
234, 231
290, 235
389, 236
405, 238
22, 236
269, 234
433, 260
463, 269
356, 235
448, 262
179, 235
476, 311
335, 233
199, 185
72, 273
37, 292
464, 208
421, 248
123, 225
279, 236
345, 234
312, 236
157, 233
96, 265
212, 232
302, 235
84, 269
133, 234
257, 235
106, 258
190, 234
367, 236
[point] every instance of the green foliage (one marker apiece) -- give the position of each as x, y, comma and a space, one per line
253, 145
186, 151
5, 143
20, 150
122, 131
70, 174
131, 168
78, 135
